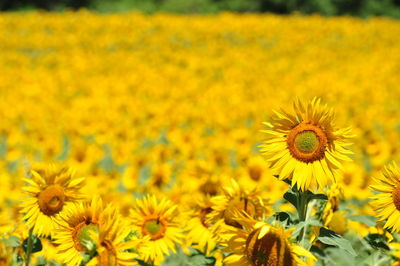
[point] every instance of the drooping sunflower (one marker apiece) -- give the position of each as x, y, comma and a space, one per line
90, 225
199, 234
157, 224
110, 245
260, 244
306, 147
236, 199
48, 193
387, 201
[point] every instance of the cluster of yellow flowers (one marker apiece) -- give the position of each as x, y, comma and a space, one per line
130, 139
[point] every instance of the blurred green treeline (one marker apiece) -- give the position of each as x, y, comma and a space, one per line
362, 8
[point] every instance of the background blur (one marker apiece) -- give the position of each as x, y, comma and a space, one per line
362, 8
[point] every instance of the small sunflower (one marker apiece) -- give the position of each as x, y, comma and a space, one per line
157, 224
49, 192
260, 244
110, 245
237, 199
89, 225
387, 201
199, 233
306, 146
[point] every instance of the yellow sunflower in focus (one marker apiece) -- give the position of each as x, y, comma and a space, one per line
260, 244
48, 193
306, 146
90, 226
157, 223
387, 201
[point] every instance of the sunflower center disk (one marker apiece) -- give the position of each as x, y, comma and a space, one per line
86, 235
51, 199
306, 141
271, 250
396, 196
155, 228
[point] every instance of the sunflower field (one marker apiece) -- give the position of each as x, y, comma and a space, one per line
225, 139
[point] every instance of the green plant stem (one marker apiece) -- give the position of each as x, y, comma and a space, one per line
29, 248
302, 212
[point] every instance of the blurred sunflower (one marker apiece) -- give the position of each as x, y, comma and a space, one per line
260, 244
157, 223
5, 254
306, 146
387, 201
48, 194
90, 226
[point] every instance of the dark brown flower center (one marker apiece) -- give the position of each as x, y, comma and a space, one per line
271, 250
396, 196
51, 199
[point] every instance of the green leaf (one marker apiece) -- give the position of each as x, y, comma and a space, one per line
368, 220
36, 244
301, 225
283, 216
312, 196
377, 241
317, 251
329, 237
12, 241
201, 260
291, 197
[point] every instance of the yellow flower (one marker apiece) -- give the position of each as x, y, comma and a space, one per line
387, 201
261, 244
306, 146
157, 224
199, 233
48, 193
91, 225
110, 245
236, 199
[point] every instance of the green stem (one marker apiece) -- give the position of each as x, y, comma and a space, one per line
302, 212
29, 248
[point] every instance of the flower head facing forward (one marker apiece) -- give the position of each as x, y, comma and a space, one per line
157, 223
48, 193
305, 146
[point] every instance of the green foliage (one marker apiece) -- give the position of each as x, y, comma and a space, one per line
12, 241
329, 237
36, 244
362, 8
368, 220
195, 258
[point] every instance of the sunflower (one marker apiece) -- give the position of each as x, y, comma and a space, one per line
92, 226
157, 224
111, 247
306, 147
387, 201
199, 233
236, 199
5, 254
259, 244
49, 191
